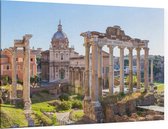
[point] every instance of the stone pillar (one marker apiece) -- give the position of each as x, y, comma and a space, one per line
26, 75
73, 74
70, 76
26, 81
100, 71
146, 69
111, 70
151, 77
14, 79
121, 69
87, 53
94, 86
151, 71
138, 69
130, 70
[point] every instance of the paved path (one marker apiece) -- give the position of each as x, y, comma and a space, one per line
153, 107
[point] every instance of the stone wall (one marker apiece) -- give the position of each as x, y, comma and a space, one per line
93, 112
147, 100
113, 111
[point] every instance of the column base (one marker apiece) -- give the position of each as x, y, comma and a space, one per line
93, 110
151, 87
27, 105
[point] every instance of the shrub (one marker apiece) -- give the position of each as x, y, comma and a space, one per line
76, 115
77, 104
54, 119
64, 97
65, 105
45, 120
45, 107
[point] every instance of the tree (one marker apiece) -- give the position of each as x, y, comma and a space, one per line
6, 79
34, 80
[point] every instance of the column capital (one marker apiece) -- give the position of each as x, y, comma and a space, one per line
130, 49
111, 46
100, 47
146, 48
87, 45
138, 48
121, 47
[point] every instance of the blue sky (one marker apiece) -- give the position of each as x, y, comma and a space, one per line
41, 20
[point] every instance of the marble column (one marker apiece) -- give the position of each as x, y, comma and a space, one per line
26, 81
94, 85
146, 69
87, 53
14, 79
138, 69
130, 69
121, 69
100, 71
111, 70
151, 77
72, 76
151, 71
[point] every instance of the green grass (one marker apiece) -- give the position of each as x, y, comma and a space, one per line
9, 87
76, 115
160, 87
12, 116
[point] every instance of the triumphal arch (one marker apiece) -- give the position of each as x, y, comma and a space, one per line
23, 44
94, 42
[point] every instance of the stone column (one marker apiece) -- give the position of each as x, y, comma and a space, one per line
151, 71
130, 70
121, 69
111, 70
26, 81
14, 79
26, 75
87, 53
94, 86
146, 69
138, 69
151, 78
100, 71
73, 77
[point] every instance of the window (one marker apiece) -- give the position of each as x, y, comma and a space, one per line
31, 59
7, 67
62, 56
16, 59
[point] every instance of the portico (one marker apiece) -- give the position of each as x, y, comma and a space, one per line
113, 38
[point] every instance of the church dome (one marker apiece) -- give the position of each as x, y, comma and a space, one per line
59, 35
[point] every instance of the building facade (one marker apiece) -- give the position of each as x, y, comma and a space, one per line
6, 64
55, 62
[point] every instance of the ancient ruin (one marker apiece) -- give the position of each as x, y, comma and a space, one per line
114, 37
24, 43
